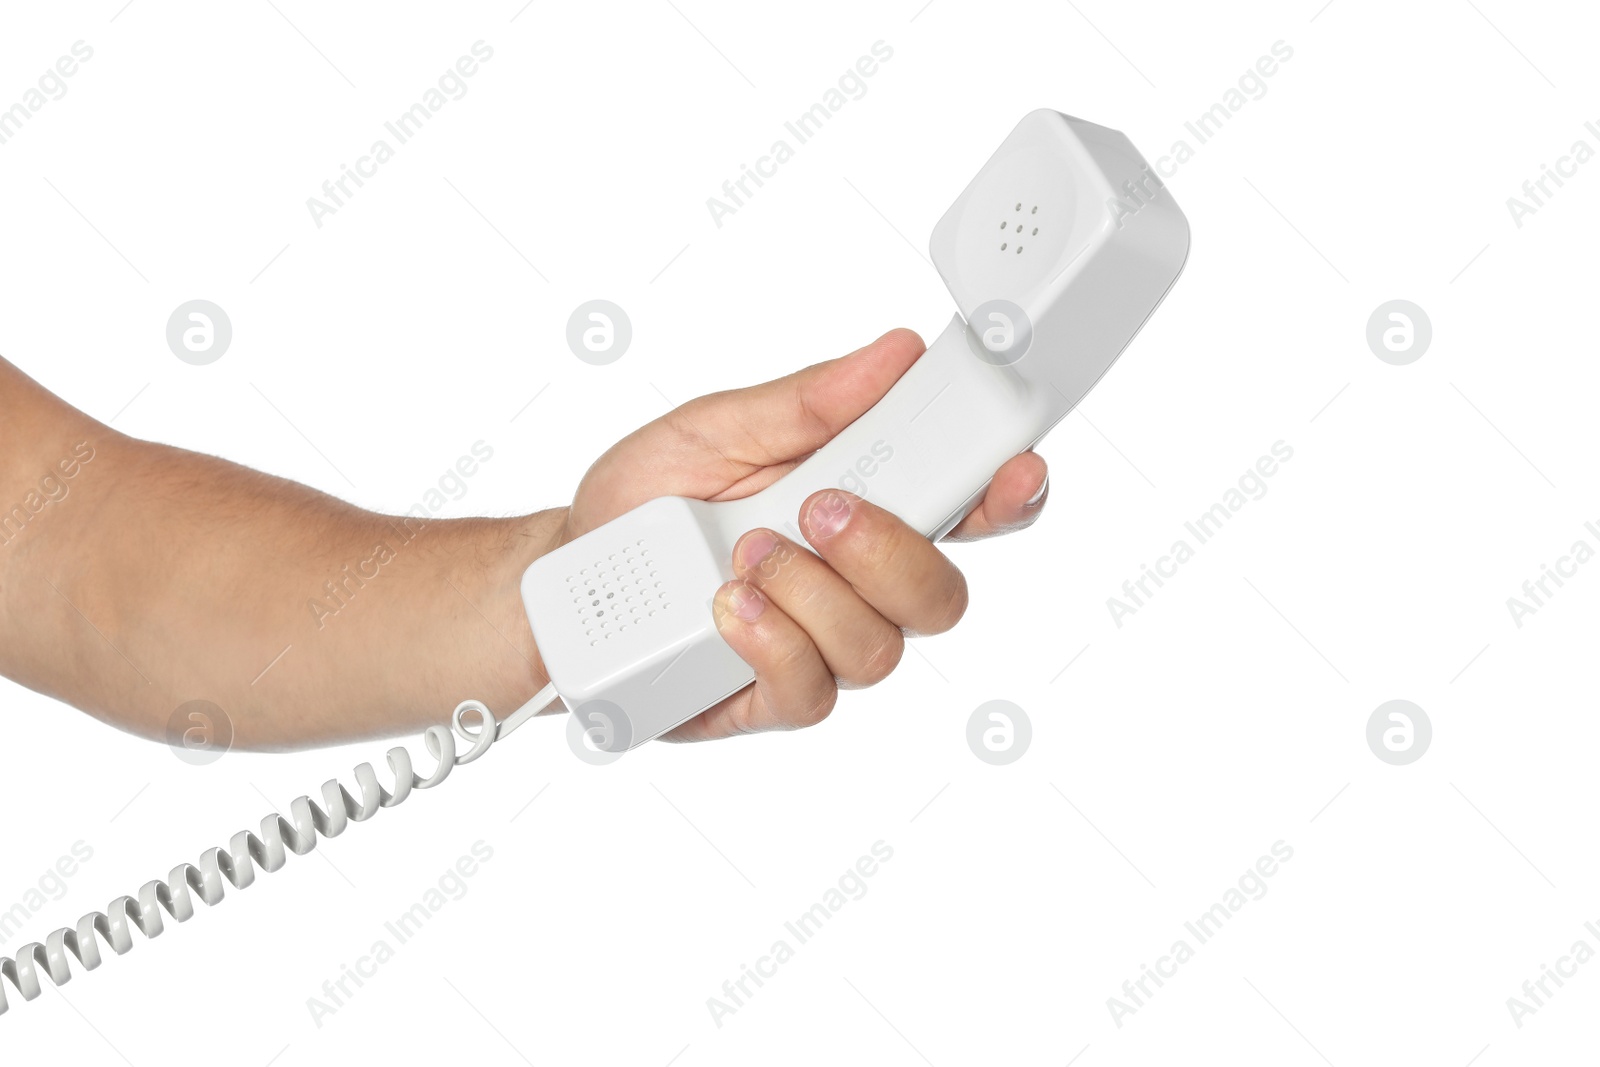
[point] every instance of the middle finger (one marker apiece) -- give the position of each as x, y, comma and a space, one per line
858, 644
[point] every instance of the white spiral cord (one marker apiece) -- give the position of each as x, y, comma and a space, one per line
246, 850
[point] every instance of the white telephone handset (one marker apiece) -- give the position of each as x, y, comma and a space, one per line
1056, 254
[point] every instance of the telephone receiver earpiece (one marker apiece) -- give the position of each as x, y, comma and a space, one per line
1057, 252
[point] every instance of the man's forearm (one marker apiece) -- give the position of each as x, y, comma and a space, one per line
153, 576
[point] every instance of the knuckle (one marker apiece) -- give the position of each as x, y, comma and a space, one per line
785, 656
880, 659
818, 708
807, 594
680, 421
881, 551
776, 564
742, 716
791, 579
950, 612
959, 598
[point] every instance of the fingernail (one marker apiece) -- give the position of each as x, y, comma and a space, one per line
828, 515
746, 602
756, 548
1033, 501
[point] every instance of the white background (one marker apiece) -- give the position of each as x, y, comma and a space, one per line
1226, 715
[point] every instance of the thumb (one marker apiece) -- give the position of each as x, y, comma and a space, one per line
793, 416
733, 443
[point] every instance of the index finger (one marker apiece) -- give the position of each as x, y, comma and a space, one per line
902, 574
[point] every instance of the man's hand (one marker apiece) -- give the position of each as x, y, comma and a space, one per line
808, 626
166, 576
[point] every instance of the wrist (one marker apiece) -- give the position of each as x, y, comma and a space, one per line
491, 579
